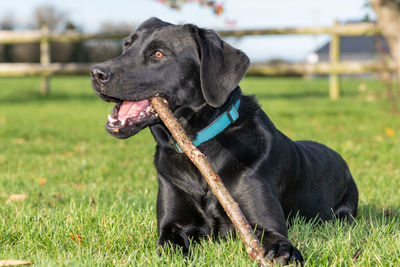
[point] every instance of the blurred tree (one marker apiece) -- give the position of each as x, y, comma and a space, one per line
57, 19
26, 52
79, 52
42, 15
116, 27
100, 50
50, 16
217, 7
69, 52
6, 23
388, 13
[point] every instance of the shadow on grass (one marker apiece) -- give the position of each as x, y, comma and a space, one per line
88, 94
289, 95
34, 96
371, 213
300, 95
379, 214
30, 95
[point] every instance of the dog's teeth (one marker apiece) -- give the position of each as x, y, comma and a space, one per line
141, 114
111, 119
123, 122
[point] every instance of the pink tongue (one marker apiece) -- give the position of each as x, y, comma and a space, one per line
130, 109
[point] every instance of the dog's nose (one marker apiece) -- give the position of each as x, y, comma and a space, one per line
100, 75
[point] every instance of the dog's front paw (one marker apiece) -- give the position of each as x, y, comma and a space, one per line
284, 253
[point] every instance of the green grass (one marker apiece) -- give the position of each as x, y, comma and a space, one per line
81, 181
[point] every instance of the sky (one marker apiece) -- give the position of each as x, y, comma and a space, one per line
247, 14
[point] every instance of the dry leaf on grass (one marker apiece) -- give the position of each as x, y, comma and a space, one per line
77, 186
16, 197
390, 212
41, 181
18, 141
92, 201
389, 132
77, 238
14, 262
3, 120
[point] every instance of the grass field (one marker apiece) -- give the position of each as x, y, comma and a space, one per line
91, 197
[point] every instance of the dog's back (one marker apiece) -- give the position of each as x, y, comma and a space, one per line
323, 187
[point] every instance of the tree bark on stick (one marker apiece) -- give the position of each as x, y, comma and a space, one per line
252, 245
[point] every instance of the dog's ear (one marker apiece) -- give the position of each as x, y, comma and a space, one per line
221, 66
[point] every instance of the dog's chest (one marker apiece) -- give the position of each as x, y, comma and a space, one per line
183, 175
180, 172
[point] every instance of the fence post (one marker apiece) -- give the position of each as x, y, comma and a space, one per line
334, 54
45, 58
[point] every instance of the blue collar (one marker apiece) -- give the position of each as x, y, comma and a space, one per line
216, 127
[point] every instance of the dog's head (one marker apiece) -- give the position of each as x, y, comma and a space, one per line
187, 65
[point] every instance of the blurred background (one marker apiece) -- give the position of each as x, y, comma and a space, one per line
303, 38
325, 70
123, 16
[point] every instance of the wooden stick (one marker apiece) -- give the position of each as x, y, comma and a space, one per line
252, 245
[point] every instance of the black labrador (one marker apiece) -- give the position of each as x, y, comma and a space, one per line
269, 175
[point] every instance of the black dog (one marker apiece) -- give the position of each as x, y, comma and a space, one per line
269, 175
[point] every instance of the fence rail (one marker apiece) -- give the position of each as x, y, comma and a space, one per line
333, 68
10, 37
344, 67
35, 36
342, 30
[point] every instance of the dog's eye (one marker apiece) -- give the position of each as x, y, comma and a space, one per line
158, 54
126, 43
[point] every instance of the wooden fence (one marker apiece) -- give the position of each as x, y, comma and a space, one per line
334, 68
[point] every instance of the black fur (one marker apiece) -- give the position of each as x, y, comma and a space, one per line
269, 175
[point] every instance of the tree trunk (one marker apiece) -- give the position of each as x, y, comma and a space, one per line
388, 14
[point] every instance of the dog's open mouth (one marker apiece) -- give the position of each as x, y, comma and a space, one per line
128, 113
